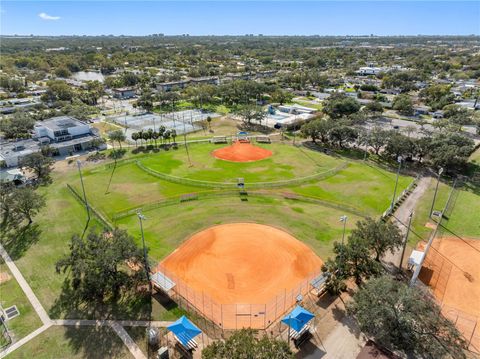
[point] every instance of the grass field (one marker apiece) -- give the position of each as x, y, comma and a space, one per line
12, 294
74, 343
463, 216
365, 187
167, 226
287, 162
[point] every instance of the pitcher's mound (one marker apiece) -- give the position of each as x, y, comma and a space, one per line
241, 152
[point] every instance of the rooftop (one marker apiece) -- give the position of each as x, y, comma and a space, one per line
60, 123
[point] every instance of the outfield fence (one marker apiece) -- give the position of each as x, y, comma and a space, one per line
238, 315
243, 195
252, 185
101, 218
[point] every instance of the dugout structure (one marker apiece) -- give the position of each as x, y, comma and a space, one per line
240, 275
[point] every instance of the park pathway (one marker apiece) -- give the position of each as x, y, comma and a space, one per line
42, 313
117, 326
401, 217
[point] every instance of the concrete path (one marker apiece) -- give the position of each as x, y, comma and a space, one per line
401, 217
99, 323
24, 340
117, 326
127, 340
25, 287
344, 342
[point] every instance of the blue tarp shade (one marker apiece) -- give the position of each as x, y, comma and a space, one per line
298, 318
184, 329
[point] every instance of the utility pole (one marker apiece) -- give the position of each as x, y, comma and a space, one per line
440, 171
141, 218
399, 160
83, 189
405, 241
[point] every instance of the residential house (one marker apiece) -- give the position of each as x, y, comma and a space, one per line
124, 93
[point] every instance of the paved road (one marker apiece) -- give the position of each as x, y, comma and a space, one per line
345, 341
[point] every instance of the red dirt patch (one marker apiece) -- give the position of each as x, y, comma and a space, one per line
451, 268
241, 152
242, 274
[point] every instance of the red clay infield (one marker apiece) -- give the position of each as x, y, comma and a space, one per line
242, 263
241, 152
451, 268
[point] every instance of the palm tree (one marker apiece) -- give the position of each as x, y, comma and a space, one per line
118, 136
167, 134
150, 134
135, 137
146, 136
161, 131
155, 135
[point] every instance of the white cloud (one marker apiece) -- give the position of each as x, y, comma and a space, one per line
45, 16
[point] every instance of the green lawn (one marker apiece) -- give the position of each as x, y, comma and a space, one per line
74, 343
362, 186
129, 187
12, 294
422, 211
287, 162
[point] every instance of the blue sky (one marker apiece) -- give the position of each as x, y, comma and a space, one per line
240, 17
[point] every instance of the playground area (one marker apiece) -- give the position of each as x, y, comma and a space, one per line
241, 151
451, 268
241, 274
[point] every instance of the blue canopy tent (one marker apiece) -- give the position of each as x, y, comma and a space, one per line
184, 330
298, 318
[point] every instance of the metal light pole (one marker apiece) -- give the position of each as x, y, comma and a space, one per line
83, 189
141, 218
440, 171
344, 220
405, 240
399, 160
185, 140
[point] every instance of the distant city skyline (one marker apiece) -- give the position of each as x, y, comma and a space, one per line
382, 18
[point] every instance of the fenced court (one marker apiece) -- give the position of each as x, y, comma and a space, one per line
240, 275
237, 316
451, 269
180, 121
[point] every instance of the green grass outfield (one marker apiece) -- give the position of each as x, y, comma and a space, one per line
287, 162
